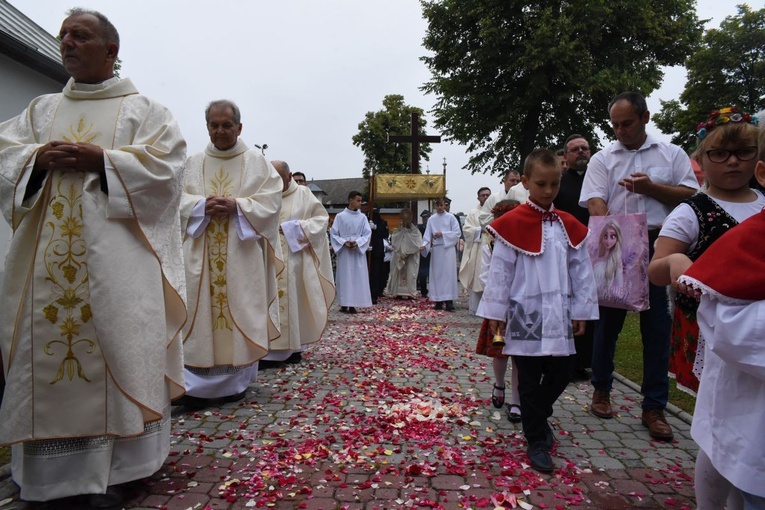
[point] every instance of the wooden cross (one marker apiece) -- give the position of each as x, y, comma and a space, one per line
415, 139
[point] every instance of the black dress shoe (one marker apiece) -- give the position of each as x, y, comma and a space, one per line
439, 305
234, 398
113, 499
189, 402
351, 309
449, 306
344, 309
266, 364
514, 413
540, 458
374, 300
295, 358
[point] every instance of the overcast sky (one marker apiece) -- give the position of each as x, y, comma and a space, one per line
304, 72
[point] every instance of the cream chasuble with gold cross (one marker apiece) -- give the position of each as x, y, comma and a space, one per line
92, 300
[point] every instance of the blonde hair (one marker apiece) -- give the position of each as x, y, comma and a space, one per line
614, 255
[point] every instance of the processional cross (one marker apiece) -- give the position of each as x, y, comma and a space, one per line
415, 139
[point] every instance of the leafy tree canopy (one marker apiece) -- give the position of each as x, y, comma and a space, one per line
380, 155
512, 75
729, 69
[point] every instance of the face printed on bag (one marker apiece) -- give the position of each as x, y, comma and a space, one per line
608, 238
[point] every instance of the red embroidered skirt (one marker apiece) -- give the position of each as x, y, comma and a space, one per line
484, 345
682, 351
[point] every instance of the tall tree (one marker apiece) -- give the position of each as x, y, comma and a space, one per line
380, 155
512, 75
729, 69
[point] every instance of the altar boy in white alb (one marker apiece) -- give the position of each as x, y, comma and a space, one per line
441, 236
350, 236
539, 291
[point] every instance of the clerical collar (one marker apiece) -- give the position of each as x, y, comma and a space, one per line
91, 87
236, 150
108, 89
352, 211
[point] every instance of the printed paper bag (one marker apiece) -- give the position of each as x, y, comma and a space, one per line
618, 248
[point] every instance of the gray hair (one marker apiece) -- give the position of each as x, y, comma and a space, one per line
108, 31
225, 103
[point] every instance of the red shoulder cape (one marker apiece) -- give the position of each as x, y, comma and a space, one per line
521, 228
734, 265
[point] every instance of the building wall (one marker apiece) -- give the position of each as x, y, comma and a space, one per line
20, 86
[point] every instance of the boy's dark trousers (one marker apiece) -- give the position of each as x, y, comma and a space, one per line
541, 380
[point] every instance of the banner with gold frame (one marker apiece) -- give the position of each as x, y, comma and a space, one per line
408, 186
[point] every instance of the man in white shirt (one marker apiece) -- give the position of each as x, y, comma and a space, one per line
637, 173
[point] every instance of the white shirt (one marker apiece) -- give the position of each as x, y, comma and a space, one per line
663, 162
682, 224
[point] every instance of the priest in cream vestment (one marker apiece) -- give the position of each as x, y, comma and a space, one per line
230, 214
92, 304
405, 262
306, 286
475, 238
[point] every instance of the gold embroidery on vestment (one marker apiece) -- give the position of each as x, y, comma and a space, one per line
67, 273
82, 133
217, 232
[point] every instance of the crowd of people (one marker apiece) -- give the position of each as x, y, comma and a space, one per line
140, 279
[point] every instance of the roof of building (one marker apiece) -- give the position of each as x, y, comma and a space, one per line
25, 41
336, 189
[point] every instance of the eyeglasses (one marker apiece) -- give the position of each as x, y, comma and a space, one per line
578, 149
722, 155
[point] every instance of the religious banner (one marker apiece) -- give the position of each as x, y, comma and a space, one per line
408, 186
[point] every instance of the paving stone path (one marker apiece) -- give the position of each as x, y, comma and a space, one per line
391, 410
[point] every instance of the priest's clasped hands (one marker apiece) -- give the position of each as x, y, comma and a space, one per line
69, 157
218, 206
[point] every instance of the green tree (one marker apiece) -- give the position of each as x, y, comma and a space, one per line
380, 155
727, 70
512, 75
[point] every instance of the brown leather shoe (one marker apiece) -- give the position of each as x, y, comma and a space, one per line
601, 404
658, 428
